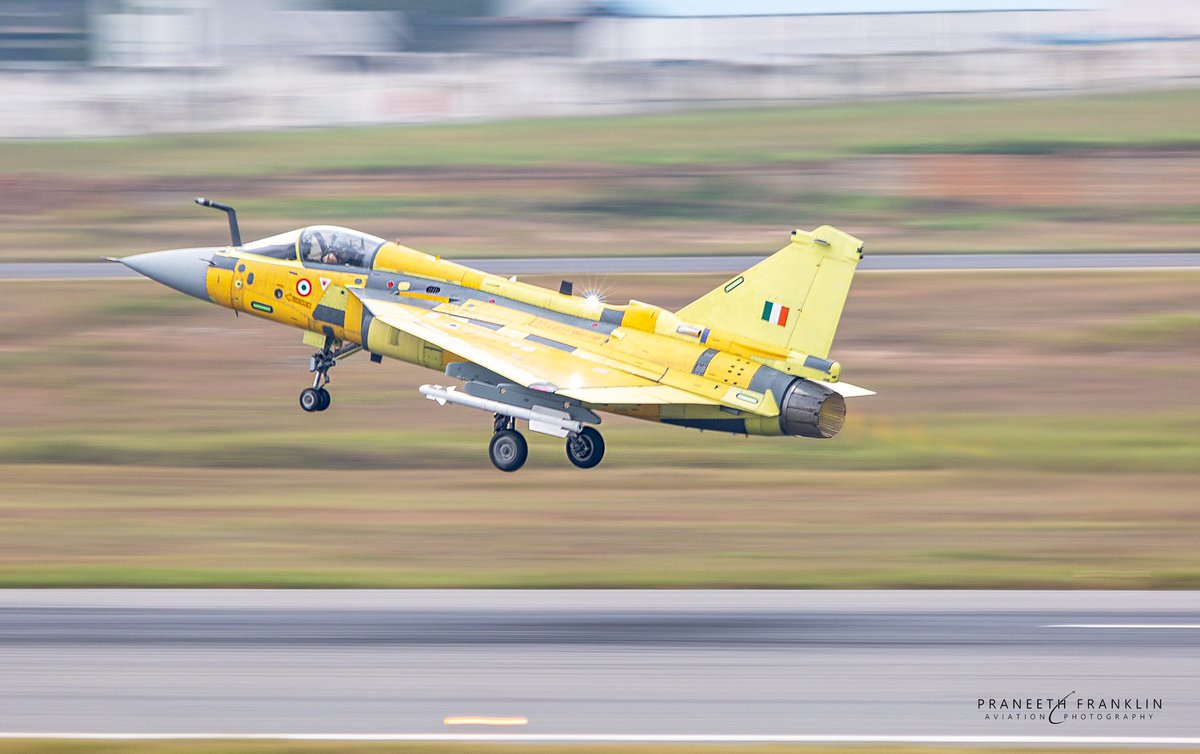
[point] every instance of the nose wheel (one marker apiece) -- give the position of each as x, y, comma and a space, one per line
508, 449
314, 399
317, 397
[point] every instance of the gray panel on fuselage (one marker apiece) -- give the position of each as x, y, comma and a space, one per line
377, 288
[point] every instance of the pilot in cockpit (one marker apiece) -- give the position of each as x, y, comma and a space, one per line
345, 248
336, 246
315, 248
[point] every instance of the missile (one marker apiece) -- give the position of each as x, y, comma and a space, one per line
541, 419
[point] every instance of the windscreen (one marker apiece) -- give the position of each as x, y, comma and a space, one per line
282, 246
329, 244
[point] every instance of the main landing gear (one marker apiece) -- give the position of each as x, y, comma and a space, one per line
585, 448
546, 413
317, 398
508, 449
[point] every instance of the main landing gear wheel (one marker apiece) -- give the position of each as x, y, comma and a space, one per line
315, 399
585, 449
508, 450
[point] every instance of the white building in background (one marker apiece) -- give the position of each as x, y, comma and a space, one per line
270, 64
184, 33
206, 33
865, 27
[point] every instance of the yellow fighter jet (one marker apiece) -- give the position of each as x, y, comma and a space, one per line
750, 357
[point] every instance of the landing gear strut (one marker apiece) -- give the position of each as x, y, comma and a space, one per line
317, 398
508, 449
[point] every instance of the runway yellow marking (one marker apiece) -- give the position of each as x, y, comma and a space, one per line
476, 720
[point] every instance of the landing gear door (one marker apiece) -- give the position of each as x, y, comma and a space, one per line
330, 313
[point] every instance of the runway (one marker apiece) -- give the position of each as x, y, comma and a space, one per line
1101, 667
697, 264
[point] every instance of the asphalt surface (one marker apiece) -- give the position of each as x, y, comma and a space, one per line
601, 665
709, 264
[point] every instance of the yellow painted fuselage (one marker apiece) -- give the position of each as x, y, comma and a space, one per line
706, 377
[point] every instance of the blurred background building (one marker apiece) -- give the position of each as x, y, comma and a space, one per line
111, 67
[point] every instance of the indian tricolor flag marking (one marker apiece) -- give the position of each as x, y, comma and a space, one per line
774, 313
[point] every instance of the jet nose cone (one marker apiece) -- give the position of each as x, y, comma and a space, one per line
185, 270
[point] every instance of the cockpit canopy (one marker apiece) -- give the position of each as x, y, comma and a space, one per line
320, 245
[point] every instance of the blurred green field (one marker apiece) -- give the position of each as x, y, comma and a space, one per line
1155, 120
1110, 172
1032, 430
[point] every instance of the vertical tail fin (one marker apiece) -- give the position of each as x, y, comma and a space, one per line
793, 299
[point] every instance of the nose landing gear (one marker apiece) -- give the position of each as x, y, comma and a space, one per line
317, 397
